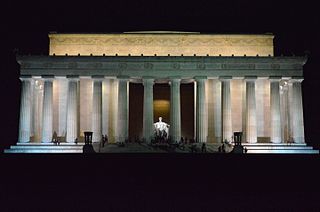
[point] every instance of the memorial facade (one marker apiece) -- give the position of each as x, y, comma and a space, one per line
238, 85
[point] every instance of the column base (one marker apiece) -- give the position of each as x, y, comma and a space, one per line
299, 140
276, 140
23, 142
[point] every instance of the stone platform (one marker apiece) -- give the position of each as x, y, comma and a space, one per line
257, 148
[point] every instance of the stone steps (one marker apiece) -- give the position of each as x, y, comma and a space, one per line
45, 148
282, 148
272, 148
33, 150
283, 151
49, 144
258, 148
278, 147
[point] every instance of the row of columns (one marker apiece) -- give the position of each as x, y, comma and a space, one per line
250, 125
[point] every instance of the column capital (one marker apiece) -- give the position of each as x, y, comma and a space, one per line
123, 77
296, 79
47, 77
97, 77
250, 78
174, 80
147, 80
225, 78
200, 78
73, 78
275, 78
25, 77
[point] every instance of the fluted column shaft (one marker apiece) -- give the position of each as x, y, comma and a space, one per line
72, 111
97, 110
200, 110
275, 111
122, 125
25, 111
148, 109
297, 112
175, 110
226, 110
47, 113
284, 111
251, 115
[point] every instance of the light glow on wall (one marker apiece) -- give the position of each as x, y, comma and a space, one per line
161, 108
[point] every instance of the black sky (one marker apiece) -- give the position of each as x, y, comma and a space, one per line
295, 25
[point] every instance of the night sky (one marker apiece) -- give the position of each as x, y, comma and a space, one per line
26, 24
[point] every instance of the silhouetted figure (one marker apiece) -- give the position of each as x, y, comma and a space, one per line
103, 140
106, 139
203, 147
54, 136
76, 141
55, 141
222, 148
193, 148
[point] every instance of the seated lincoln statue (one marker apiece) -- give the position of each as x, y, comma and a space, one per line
161, 129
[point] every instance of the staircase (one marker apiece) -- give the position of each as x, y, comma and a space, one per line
269, 148
255, 148
45, 148
282, 148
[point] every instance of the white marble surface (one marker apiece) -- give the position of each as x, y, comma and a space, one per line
47, 121
148, 130
175, 110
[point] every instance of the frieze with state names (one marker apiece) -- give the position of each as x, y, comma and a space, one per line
165, 41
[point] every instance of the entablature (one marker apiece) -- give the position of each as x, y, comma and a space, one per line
162, 66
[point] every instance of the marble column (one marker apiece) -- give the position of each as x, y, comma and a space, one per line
148, 109
284, 110
297, 111
37, 110
175, 110
200, 110
47, 113
62, 105
122, 122
25, 110
72, 110
97, 109
226, 109
290, 111
106, 94
275, 118
251, 115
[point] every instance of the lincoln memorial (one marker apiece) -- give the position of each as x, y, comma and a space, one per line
204, 87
